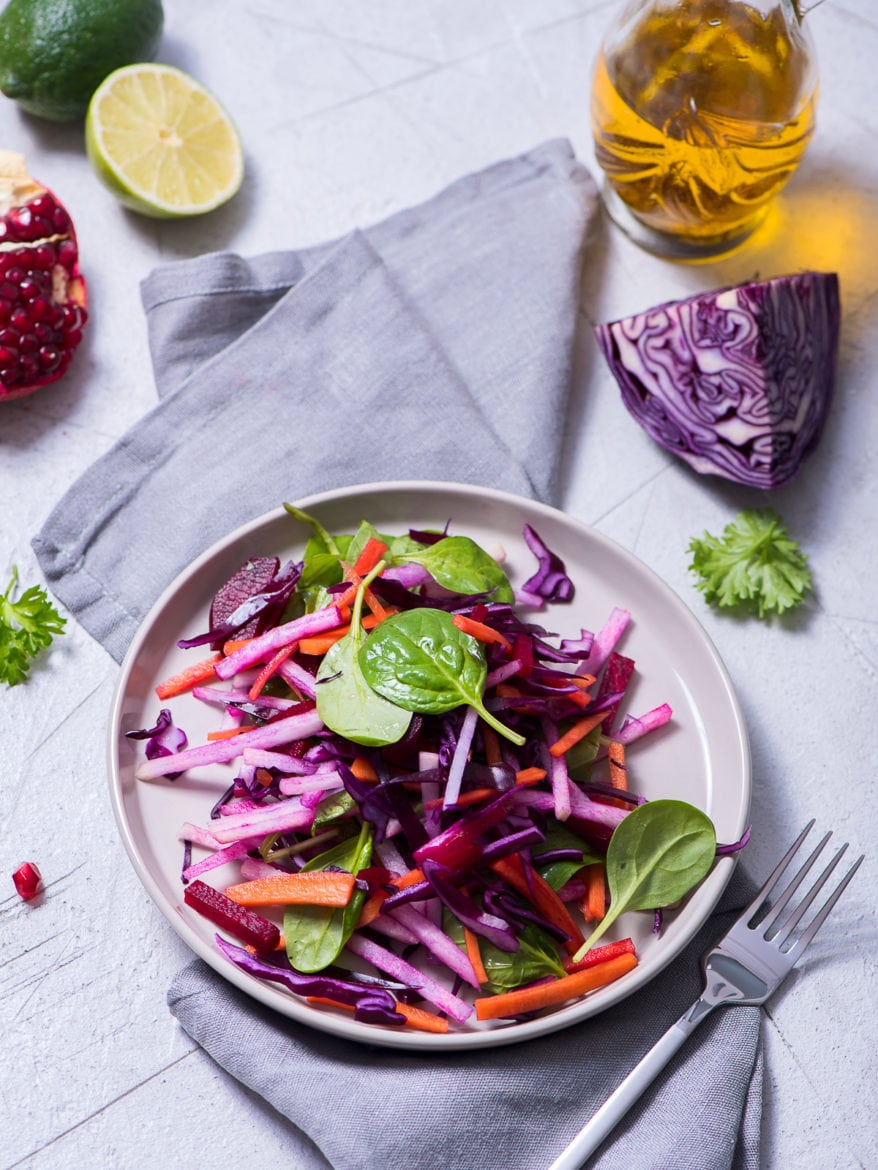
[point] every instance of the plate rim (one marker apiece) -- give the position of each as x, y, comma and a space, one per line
710, 891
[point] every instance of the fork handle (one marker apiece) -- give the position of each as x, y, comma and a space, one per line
629, 1091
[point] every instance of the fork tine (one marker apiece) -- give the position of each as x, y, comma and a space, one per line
777, 909
819, 918
795, 917
772, 879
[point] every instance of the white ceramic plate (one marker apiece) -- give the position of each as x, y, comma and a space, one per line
702, 756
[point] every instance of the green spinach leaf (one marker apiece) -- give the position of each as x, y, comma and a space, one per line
536, 957
459, 564
658, 853
559, 873
419, 660
316, 935
345, 701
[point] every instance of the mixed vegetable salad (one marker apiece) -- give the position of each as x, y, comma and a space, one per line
429, 821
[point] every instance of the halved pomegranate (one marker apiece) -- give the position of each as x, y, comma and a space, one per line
42, 293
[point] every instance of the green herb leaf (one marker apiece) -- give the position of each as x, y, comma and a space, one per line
419, 660
536, 957
658, 853
755, 564
345, 701
459, 564
316, 935
559, 873
27, 626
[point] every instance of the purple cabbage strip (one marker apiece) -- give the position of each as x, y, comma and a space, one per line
162, 739
550, 581
490, 926
323, 985
735, 846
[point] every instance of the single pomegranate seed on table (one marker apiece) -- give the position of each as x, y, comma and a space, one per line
42, 292
28, 879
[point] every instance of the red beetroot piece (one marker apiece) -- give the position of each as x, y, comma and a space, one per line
28, 880
243, 923
42, 292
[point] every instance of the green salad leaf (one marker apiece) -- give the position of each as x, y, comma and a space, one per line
755, 564
658, 853
27, 625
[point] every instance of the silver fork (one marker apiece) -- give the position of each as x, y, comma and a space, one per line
745, 967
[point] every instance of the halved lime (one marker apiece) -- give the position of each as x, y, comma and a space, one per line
162, 143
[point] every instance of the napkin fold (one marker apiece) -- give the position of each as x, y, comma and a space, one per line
436, 344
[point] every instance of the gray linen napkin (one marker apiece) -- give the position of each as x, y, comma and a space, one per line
435, 344
512, 1108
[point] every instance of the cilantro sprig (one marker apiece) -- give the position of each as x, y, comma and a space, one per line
755, 565
27, 626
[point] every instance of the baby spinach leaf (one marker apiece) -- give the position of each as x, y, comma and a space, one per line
316, 935
331, 809
459, 564
658, 853
536, 957
558, 873
419, 660
345, 701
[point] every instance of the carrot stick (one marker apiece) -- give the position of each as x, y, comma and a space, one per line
474, 955
371, 908
618, 773
530, 776
320, 643
373, 550
227, 732
529, 999
316, 887
234, 644
363, 770
479, 630
579, 730
624, 946
526, 881
268, 670
415, 1017
199, 672
474, 796
411, 878
594, 904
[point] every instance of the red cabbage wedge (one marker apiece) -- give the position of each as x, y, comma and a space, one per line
737, 382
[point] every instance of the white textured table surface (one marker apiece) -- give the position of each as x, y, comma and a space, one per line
348, 112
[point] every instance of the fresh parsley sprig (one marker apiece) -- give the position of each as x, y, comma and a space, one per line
27, 626
755, 564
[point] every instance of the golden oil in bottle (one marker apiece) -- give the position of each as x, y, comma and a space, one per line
701, 111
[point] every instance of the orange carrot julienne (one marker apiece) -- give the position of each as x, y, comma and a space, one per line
234, 644
474, 955
320, 643
529, 999
479, 630
525, 880
410, 878
318, 887
361, 769
616, 756
474, 796
491, 743
415, 1017
268, 670
226, 733
579, 730
371, 908
594, 904
530, 776
199, 672
373, 550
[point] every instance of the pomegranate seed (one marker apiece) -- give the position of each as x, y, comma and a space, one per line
5, 310
67, 254
43, 204
50, 358
8, 358
28, 343
28, 879
60, 220
9, 338
20, 319
8, 292
43, 256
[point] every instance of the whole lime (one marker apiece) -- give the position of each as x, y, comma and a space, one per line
55, 53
